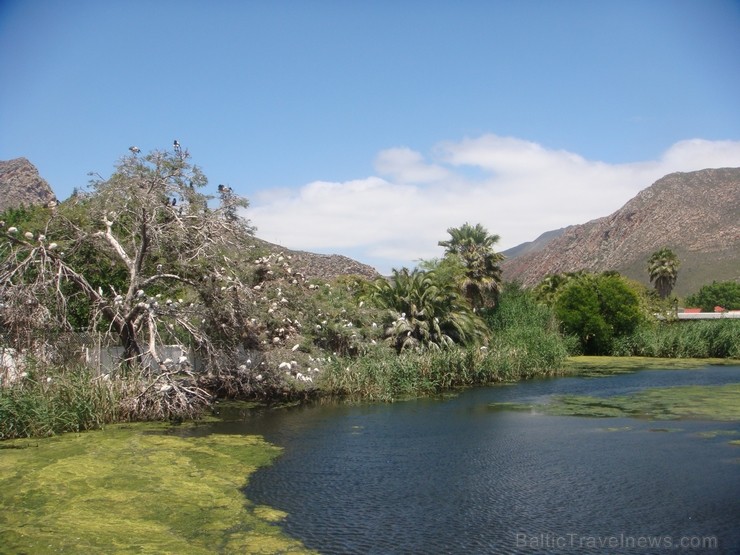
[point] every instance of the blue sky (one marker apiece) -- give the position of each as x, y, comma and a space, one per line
369, 128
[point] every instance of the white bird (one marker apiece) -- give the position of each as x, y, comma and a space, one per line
135, 149
12, 230
159, 268
176, 146
28, 235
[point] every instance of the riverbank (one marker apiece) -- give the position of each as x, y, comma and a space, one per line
136, 489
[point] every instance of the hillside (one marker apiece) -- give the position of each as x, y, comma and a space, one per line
21, 185
696, 214
320, 266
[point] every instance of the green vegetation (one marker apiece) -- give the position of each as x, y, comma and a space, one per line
471, 248
136, 490
663, 269
681, 402
606, 365
44, 404
144, 260
723, 293
699, 339
523, 342
700, 402
381, 376
598, 309
425, 312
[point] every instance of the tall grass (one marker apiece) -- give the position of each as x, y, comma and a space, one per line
692, 339
383, 375
43, 404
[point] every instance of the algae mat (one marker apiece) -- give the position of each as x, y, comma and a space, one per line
136, 490
710, 402
692, 401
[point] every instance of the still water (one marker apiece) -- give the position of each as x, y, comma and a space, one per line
454, 476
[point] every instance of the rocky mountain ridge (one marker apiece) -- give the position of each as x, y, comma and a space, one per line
321, 266
21, 185
697, 214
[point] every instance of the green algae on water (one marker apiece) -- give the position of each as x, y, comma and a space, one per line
136, 490
669, 403
597, 366
717, 433
720, 402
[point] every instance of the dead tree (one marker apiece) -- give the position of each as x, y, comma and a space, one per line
150, 221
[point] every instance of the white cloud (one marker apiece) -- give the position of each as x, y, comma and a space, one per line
517, 189
408, 166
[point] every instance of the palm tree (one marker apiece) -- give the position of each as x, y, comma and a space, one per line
425, 312
663, 269
481, 279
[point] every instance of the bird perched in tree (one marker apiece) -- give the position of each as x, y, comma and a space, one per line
135, 149
159, 268
176, 146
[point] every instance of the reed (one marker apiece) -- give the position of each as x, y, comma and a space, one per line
694, 339
48, 403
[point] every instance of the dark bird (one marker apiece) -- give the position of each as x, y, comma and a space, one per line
220, 188
135, 149
174, 201
176, 145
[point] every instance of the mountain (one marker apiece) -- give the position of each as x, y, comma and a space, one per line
533, 246
320, 266
696, 214
21, 185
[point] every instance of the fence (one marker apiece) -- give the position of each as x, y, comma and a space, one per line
97, 351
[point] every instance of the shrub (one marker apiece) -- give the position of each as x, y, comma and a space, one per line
598, 309
719, 293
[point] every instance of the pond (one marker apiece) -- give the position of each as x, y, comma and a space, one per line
458, 475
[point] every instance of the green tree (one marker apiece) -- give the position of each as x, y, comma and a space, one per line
719, 293
480, 278
663, 270
552, 285
425, 312
597, 309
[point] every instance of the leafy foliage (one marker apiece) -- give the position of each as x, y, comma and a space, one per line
425, 312
597, 309
719, 293
663, 269
480, 275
